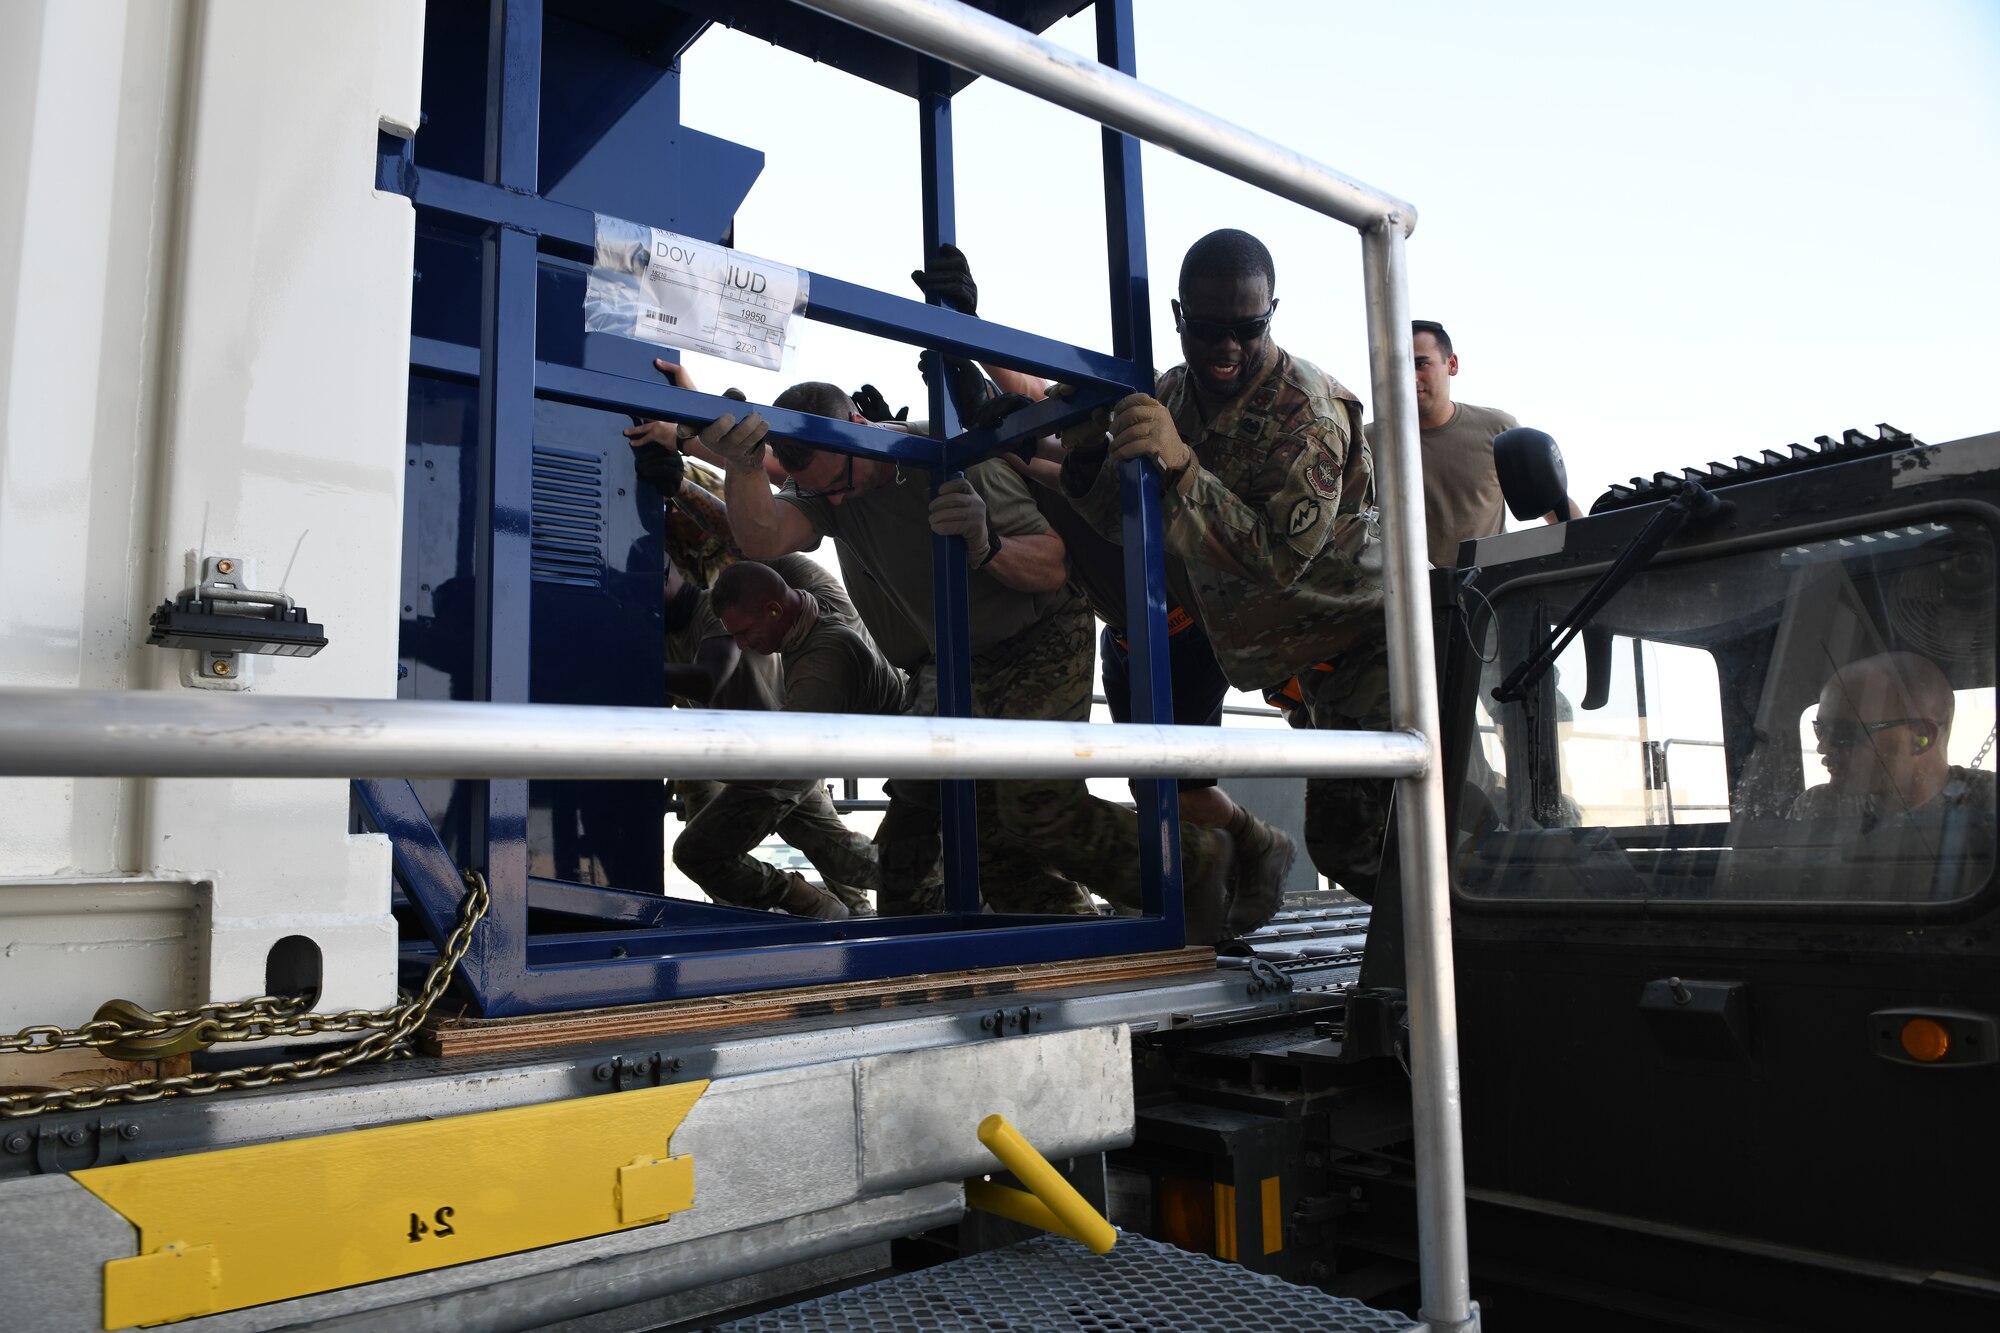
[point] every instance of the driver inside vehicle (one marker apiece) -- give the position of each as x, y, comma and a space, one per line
1883, 727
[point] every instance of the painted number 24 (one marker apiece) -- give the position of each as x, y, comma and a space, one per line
439, 1225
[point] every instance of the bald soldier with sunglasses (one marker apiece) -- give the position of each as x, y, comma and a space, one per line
1882, 730
1267, 492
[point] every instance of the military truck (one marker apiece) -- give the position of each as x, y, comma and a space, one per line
1728, 1047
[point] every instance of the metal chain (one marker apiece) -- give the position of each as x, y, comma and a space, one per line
1985, 749
237, 1020
389, 1032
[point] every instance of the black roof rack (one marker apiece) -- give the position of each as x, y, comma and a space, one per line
1825, 450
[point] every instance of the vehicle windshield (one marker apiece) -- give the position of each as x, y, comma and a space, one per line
1811, 722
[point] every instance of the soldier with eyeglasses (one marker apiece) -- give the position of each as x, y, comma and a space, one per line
1882, 731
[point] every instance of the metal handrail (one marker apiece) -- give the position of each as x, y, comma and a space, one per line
1228, 710
149, 733
973, 40
985, 45
1666, 775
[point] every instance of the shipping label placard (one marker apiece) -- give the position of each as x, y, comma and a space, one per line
660, 287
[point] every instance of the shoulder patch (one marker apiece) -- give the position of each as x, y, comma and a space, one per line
1323, 475
1305, 512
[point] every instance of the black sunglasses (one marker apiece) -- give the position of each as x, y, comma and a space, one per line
846, 484
1845, 735
1214, 331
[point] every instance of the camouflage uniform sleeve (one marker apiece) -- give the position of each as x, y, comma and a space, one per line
1270, 535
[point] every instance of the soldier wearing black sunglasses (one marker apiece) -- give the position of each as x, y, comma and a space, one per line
1883, 729
1268, 496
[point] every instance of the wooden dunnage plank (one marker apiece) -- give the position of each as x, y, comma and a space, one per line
492, 1036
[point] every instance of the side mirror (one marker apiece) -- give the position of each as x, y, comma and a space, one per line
1532, 477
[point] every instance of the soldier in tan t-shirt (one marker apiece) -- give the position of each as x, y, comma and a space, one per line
705, 669
1461, 490
825, 665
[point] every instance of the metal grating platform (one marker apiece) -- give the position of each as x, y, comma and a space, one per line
1050, 1283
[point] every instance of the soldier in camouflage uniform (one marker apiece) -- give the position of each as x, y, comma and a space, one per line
1031, 631
1268, 492
697, 526
909, 842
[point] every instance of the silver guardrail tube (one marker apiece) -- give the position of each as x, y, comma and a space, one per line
152, 733
971, 39
985, 45
1420, 819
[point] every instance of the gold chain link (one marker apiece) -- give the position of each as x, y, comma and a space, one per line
389, 1032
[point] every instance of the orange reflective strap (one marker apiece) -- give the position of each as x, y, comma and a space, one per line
1177, 620
1290, 695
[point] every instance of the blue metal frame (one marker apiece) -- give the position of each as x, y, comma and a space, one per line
952, 613
641, 946
1138, 484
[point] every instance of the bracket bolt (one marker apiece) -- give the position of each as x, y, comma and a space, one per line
219, 668
128, 1131
225, 566
17, 1143
72, 1136
602, 1073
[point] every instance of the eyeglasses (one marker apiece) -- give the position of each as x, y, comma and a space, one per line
1845, 734
846, 484
1214, 331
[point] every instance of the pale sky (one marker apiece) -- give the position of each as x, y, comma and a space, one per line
1665, 234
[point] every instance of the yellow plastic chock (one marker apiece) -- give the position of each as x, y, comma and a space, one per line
1054, 1204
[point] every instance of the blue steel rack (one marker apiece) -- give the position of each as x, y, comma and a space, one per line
549, 944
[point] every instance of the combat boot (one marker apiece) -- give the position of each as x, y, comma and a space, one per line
856, 901
1208, 856
810, 900
1264, 857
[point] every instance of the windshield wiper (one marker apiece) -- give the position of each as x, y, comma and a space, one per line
1691, 501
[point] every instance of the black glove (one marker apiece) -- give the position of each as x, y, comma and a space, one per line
968, 385
870, 403
949, 279
996, 410
660, 467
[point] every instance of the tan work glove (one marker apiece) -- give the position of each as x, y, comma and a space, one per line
739, 444
958, 511
1142, 428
